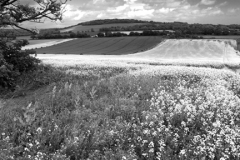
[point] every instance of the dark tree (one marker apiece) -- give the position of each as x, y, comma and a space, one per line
13, 61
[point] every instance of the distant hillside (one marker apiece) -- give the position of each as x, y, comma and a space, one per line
94, 29
111, 21
108, 25
114, 25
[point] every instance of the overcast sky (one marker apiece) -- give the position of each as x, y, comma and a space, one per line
191, 11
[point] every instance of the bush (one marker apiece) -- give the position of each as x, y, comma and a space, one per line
14, 62
6, 74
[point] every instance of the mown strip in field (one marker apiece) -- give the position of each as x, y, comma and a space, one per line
103, 46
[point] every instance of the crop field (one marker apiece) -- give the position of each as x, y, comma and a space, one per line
195, 50
103, 46
123, 107
33, 44
205, 53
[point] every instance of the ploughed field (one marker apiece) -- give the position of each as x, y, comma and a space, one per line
103, 46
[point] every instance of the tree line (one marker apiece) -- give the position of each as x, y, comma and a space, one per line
184, 28
58, 35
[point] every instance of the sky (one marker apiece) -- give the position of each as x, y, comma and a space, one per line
191, 11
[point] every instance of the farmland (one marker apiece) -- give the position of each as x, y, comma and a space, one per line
33, 44
103, 46
127, 98
195, 50
126, 106
214, 53
90, 110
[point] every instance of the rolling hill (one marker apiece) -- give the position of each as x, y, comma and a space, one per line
94, 29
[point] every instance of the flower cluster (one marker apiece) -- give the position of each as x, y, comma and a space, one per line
142, 112
197, 121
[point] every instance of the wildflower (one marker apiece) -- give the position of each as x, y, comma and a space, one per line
151, 150
30, 145
39, 130
183, 152
217, 124
151, 145
146, 131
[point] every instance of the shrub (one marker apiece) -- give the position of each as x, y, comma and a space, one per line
14, 62
7, 74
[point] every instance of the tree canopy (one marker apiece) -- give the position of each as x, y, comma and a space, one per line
14, 61
13, 13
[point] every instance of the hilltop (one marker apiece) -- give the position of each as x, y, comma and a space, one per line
107, 25
112, 21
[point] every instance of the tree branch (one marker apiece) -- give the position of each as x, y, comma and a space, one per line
13, 13
7, 2
24, 28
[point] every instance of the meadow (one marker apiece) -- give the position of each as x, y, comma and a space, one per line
125, 108
103, 46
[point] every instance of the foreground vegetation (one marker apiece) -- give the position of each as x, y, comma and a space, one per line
134, 112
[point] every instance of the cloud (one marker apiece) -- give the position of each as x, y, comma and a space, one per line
157, 10
208, 2
165, 10
192, 11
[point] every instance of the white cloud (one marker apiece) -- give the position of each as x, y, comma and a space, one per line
156, 10
208, 2
165, 10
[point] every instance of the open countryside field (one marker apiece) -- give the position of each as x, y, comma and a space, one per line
133, 106
123, 107
195, 50
103, 46
214, 53
33, 44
